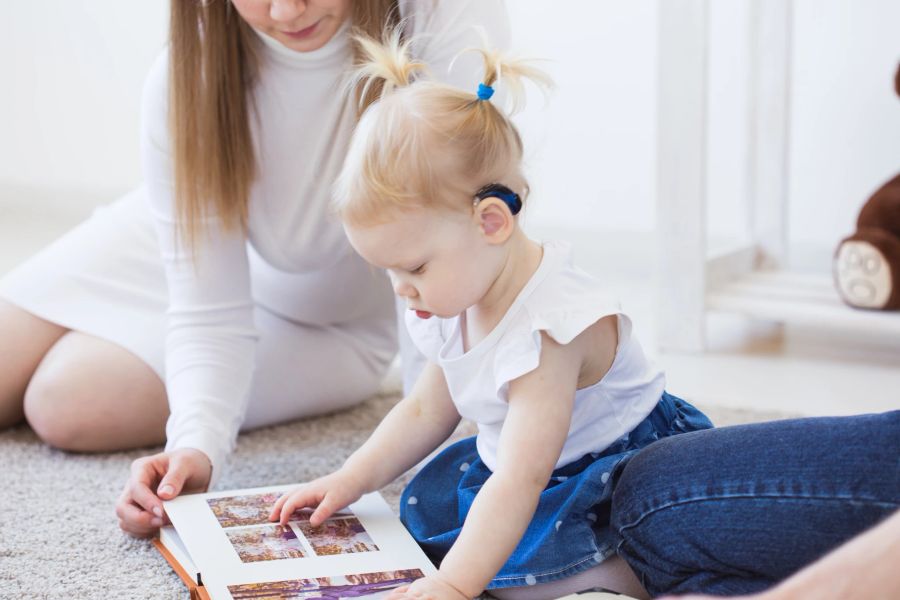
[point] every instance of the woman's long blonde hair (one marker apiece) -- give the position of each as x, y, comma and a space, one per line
213, 61
425, 143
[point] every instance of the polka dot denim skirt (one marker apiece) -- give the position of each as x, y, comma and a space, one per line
570, 529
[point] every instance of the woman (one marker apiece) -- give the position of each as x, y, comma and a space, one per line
258, 311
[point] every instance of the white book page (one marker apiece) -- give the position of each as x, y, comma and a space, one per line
169, 538
232, 543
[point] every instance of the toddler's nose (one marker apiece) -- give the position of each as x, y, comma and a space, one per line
403, 289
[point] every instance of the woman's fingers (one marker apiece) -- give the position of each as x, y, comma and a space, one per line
189, 470
133, 518
143, 497
136, 522
173, 481
139, 510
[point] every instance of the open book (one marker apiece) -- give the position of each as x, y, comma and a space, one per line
224, 547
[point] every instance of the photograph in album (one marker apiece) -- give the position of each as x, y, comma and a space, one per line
365, 585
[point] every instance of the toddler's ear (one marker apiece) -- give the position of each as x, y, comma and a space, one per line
495, 220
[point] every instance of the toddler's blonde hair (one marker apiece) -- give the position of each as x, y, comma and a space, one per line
425, 143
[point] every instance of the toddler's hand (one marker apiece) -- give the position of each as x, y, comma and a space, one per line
427, 588
327, 495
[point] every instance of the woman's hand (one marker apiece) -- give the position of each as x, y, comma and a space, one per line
167, 474
327, 495
432, 587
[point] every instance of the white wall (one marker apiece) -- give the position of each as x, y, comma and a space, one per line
846, 115
596, 141
72, 72
591, 149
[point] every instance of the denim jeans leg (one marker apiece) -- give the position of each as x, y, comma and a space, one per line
734, 510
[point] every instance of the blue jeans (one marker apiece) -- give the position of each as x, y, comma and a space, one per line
734, 510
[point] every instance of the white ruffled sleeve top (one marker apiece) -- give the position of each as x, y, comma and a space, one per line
561, 300
301, 129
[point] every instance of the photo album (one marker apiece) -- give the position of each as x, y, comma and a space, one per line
223, 546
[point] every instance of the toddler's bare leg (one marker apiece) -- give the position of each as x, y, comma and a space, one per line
24, 340
613, 574
90, 395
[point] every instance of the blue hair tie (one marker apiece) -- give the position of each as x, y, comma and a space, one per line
485, 92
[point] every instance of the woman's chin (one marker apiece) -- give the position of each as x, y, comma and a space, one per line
310, 41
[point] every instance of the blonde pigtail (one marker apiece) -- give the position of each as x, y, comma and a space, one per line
387, 64
509, 71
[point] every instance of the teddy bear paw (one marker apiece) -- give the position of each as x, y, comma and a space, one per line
863, 275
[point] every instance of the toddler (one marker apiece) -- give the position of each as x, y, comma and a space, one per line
518, 340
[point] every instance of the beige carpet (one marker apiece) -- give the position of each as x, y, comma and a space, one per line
59, 536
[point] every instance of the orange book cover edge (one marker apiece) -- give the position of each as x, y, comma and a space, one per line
196, 591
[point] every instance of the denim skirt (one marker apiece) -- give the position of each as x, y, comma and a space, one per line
570, 529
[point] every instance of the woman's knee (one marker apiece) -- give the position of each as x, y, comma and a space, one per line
51, 407
84, 392
651, 474
319, 372
269, 404
645, 491
26, 340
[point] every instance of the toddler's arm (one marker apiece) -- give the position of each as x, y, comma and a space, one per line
411, 431
414, 428
534, 432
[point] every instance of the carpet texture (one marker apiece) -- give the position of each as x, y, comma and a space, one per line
59, 536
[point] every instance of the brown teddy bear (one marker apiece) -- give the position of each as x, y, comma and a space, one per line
867, 264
